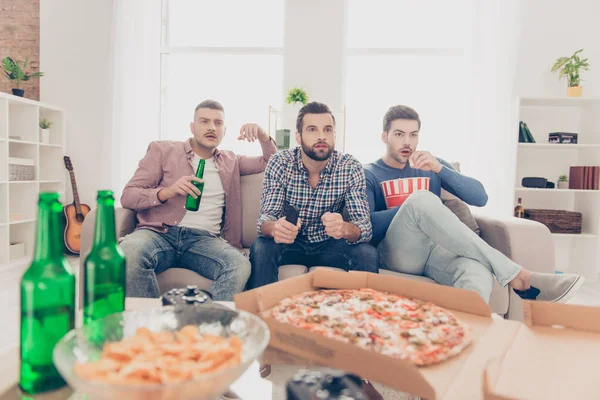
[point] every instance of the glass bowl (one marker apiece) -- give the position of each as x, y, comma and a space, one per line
86, 343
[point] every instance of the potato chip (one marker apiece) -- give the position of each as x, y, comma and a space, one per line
162, 357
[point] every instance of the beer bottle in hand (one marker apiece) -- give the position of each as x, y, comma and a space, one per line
104, 266
47, 301
193, 204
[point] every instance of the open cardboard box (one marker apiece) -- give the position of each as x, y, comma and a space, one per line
554, 355
457, 378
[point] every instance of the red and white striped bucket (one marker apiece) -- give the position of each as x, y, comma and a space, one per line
396, 191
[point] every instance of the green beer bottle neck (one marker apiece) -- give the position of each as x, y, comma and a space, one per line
200, 170
49, 235
105, 231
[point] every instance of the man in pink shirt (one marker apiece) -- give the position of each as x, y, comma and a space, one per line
206, 241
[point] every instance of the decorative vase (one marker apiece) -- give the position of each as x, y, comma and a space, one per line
574, 91
18, 92
563, 184
45, 136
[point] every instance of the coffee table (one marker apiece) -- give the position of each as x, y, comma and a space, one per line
249, 385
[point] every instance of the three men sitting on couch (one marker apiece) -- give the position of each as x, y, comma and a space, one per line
421, 236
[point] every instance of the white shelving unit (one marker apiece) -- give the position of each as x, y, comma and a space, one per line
575, 253
19, 137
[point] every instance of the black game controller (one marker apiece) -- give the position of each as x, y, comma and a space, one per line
191, 295
324, 384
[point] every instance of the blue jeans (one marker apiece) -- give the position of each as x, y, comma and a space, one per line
149, 253
266, 257
426, 238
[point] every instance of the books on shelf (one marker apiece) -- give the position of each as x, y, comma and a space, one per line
586, 177
525, 135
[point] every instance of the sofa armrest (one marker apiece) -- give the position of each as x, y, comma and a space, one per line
528, 243
125, 222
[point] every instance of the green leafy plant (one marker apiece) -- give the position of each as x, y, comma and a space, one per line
569, 67
297, 95
16, 72
563, 178
45, 124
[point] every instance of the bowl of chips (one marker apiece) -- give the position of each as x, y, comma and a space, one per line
161, 353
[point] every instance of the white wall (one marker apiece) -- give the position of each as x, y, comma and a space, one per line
75, 55
315, 49
553, 29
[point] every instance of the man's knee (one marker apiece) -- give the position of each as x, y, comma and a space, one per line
139, 249
263, 246
238, 267
422, 199
366, 257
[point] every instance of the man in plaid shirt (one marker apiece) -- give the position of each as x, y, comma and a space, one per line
320, 182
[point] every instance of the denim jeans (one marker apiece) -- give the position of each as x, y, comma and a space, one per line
266, 257
149, 253
426, 238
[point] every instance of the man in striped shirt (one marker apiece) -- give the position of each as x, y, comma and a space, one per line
320, 183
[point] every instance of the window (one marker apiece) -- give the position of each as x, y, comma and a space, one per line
205, 56
414, 53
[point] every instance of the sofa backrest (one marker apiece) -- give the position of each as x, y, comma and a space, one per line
251, 192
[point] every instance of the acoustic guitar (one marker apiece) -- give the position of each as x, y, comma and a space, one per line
74, 215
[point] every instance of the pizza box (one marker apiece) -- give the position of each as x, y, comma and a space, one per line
554, 355
458, 378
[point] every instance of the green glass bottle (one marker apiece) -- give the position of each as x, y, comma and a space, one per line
47, 300
193, 204
104, 274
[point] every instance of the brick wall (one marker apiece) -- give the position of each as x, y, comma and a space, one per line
20, 39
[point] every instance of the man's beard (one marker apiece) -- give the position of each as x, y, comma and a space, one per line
317, 155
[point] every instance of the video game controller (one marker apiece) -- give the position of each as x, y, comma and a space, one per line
324, 384
292, 214
191, 295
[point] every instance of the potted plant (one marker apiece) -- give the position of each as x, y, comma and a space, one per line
16, 72
569, 67
563, 182
45, 130
297, 95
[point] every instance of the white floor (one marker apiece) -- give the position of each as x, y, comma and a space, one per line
10, 276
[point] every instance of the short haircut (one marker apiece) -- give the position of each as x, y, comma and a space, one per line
313, 107
212, 104
399, 112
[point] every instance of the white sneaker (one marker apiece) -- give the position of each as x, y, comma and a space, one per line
557, 288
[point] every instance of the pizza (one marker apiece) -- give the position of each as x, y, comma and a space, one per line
409, 329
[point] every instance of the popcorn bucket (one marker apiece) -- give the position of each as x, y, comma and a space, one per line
396, 191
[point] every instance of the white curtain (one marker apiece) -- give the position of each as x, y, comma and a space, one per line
136, 85
494, 100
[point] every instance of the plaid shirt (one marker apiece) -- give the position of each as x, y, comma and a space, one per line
342, 184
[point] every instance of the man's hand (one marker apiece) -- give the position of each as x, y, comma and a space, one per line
285, 232
334, 225
425, 161
252, 132
183, 186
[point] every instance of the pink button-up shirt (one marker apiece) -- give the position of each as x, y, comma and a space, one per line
167, 161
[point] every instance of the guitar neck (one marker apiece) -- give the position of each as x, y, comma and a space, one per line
75, 193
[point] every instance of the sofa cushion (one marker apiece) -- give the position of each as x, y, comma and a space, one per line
459, 207
463, 212
291, 270
251, 187
175, 278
